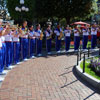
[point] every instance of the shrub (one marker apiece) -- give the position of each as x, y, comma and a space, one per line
95, 65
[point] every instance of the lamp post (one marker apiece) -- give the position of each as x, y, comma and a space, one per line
22, 8
21, 1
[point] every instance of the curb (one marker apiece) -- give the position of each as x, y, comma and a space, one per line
88, 78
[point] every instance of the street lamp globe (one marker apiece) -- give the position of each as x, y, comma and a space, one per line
23, 8
21, 1
17, 8
27, 9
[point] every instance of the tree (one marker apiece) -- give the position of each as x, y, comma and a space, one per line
45, 9
11, 4
2, 4
69, 9
3, 9
76, 9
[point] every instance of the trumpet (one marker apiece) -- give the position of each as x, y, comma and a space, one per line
13, 27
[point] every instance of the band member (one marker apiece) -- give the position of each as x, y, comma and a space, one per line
3, 45
39, 37
9, 46
32, 41
67, 33
24, 41
1, 49
94, 36
16, 47
85, 32
59, 34
76, 39
48, 33
1, 59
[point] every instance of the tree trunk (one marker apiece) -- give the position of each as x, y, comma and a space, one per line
68, 20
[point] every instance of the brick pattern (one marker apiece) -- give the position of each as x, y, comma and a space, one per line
46, 78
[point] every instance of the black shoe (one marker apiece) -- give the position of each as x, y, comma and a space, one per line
8, 68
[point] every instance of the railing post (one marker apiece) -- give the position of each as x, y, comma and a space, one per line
99, 51
80, 48
84, 64
88, 51
80, 52
77, 57
80, 55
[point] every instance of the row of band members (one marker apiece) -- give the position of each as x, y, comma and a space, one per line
19, 43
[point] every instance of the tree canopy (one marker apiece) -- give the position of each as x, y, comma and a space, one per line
11, 4
69, 9
3, 9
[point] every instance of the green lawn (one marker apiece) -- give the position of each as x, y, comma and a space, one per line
88, 45
72, 46
89, 71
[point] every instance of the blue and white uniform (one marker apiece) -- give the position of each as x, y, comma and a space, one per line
94, 37
58, 42
1, 29
32, 43
16, 48
48, 40
67, 39
38, 42
76, 39
24, 44
85, 37
3, 49
1, 57
9, 49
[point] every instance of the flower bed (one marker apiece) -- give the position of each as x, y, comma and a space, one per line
92, 67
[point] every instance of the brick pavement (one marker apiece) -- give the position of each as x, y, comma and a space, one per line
46, 78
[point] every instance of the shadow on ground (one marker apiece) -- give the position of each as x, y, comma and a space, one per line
54, 54
86, 84
78, 78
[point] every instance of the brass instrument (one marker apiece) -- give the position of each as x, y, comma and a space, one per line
3, 25
41, 36
24, 32
9, 28
13, 27
70, 28
49, 37
61, 35
20, 27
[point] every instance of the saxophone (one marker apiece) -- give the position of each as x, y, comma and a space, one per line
61, 35
24, 32
49, 37
41, 36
